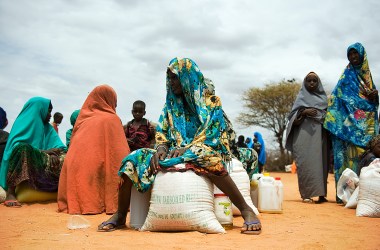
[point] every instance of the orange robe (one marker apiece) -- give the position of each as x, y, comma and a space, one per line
89, 178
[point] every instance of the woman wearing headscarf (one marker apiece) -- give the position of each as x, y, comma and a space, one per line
73, 119
89, 181
258, 140
191, 130
352, 112
307, 140
34, 151
249, 142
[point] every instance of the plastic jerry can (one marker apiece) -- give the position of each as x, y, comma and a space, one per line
254, 184
270, 195
223, 209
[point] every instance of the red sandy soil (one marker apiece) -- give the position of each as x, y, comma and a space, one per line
301, 226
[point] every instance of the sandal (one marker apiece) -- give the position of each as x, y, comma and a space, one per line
307, 200
254, 232
113, 228
321, 199
12, 203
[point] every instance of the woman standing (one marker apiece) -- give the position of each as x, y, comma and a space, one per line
307, 140
352, 112
259, 146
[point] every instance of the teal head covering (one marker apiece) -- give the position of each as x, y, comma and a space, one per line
204, 122
74, 116
30, 127
73, 119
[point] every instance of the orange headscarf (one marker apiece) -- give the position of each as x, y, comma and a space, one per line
89, 181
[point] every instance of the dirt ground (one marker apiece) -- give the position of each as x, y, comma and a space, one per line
301, 226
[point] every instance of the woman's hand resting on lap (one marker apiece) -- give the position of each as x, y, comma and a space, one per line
159, 155
176, 152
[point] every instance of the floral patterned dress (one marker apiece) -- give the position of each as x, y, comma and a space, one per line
193, 121
351, 117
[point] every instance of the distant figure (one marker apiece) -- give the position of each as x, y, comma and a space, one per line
139, 131
57, 119
249, 142
307, 139
240, 142
352, 117
89, 181
34, 152
73, 119
260, 150
3, 134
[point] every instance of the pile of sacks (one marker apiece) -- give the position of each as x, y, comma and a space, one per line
361, 193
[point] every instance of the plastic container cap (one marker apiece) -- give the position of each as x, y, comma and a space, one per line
266, 174
278, 178
220, 195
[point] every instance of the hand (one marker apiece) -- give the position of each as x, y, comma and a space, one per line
161, 154
176, 152
372, 95
152, 130
309, 112
53, 151
54, 160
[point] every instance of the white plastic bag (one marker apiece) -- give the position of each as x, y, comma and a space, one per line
353, 201
347, 184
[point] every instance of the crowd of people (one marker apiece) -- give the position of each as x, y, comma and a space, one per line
102, 160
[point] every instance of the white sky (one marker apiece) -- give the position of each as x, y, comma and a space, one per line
62, 49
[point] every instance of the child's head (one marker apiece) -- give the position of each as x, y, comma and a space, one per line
241, 139
57, 117
374, 145
138, 110
311, 82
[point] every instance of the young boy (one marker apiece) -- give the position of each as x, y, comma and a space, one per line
139, 131
57, 119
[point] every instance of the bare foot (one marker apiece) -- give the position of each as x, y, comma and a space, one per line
252, 224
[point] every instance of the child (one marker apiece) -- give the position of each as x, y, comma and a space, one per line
372, 152
139, 131
307, 139
57, 120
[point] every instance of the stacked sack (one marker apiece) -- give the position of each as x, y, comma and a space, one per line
369, 191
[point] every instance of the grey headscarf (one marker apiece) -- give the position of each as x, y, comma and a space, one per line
316, 99
305, 99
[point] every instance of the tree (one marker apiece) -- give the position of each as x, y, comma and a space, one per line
269, 107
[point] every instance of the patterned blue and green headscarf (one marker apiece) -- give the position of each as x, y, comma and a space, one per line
351, 116
196, 124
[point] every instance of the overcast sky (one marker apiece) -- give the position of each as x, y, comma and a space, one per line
62, 49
